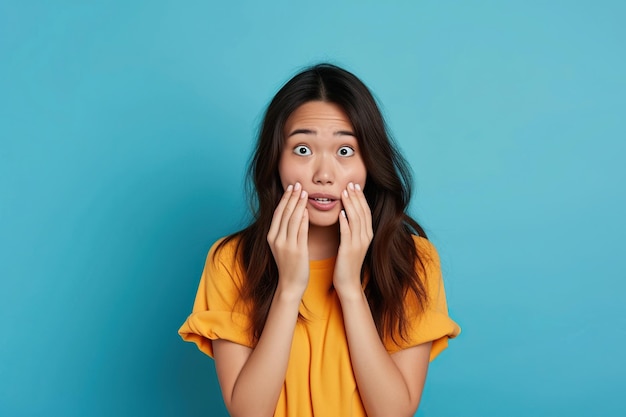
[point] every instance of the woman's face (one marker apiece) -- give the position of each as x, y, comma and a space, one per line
321, 153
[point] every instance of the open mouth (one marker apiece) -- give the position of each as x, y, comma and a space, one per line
323, 203
323, 200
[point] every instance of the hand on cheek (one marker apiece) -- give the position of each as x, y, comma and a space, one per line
355, 226
288, 240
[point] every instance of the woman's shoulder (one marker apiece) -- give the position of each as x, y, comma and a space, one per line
425, 249
223, 262
428, 264
224, 250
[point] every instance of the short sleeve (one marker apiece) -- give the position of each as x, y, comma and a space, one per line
433, 324
217, 311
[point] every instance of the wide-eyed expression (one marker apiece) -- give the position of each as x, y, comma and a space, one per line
322, 153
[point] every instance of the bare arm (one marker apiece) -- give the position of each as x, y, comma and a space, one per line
390, 385
251, 379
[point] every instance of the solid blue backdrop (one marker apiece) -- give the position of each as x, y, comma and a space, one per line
125, 128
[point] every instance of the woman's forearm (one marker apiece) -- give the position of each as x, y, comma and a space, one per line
258, 386
383, 389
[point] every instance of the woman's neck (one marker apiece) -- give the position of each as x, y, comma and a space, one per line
323, 242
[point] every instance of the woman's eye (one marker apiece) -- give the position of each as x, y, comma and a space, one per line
345, 151
302, 150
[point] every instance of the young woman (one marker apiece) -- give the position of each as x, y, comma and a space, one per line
331, 302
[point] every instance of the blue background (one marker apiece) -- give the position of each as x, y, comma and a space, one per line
125, 129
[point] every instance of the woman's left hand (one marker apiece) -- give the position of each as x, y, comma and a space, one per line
356, 235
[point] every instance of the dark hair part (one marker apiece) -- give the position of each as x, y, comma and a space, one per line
392, 259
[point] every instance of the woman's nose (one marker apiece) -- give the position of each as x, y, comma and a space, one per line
324, 170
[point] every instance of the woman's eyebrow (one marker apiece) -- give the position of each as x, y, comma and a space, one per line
303, 131
313, 132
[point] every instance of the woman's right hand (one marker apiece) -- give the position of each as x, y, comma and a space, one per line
251, 379
288, 240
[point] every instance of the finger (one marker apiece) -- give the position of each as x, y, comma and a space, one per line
344, 227
288, 211
293, 226
363, 231
278, 213
352, 213
303, 232
355, 196
365, 210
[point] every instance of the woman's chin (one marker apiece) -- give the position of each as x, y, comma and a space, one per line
325, 220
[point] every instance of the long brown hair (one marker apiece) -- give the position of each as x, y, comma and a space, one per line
392, 258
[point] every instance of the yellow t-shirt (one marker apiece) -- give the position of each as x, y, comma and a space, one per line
319, 379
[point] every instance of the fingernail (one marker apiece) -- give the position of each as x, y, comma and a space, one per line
289, 187
297, 186
358, 187
345, 193
303, 195
343, 213
351, 186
